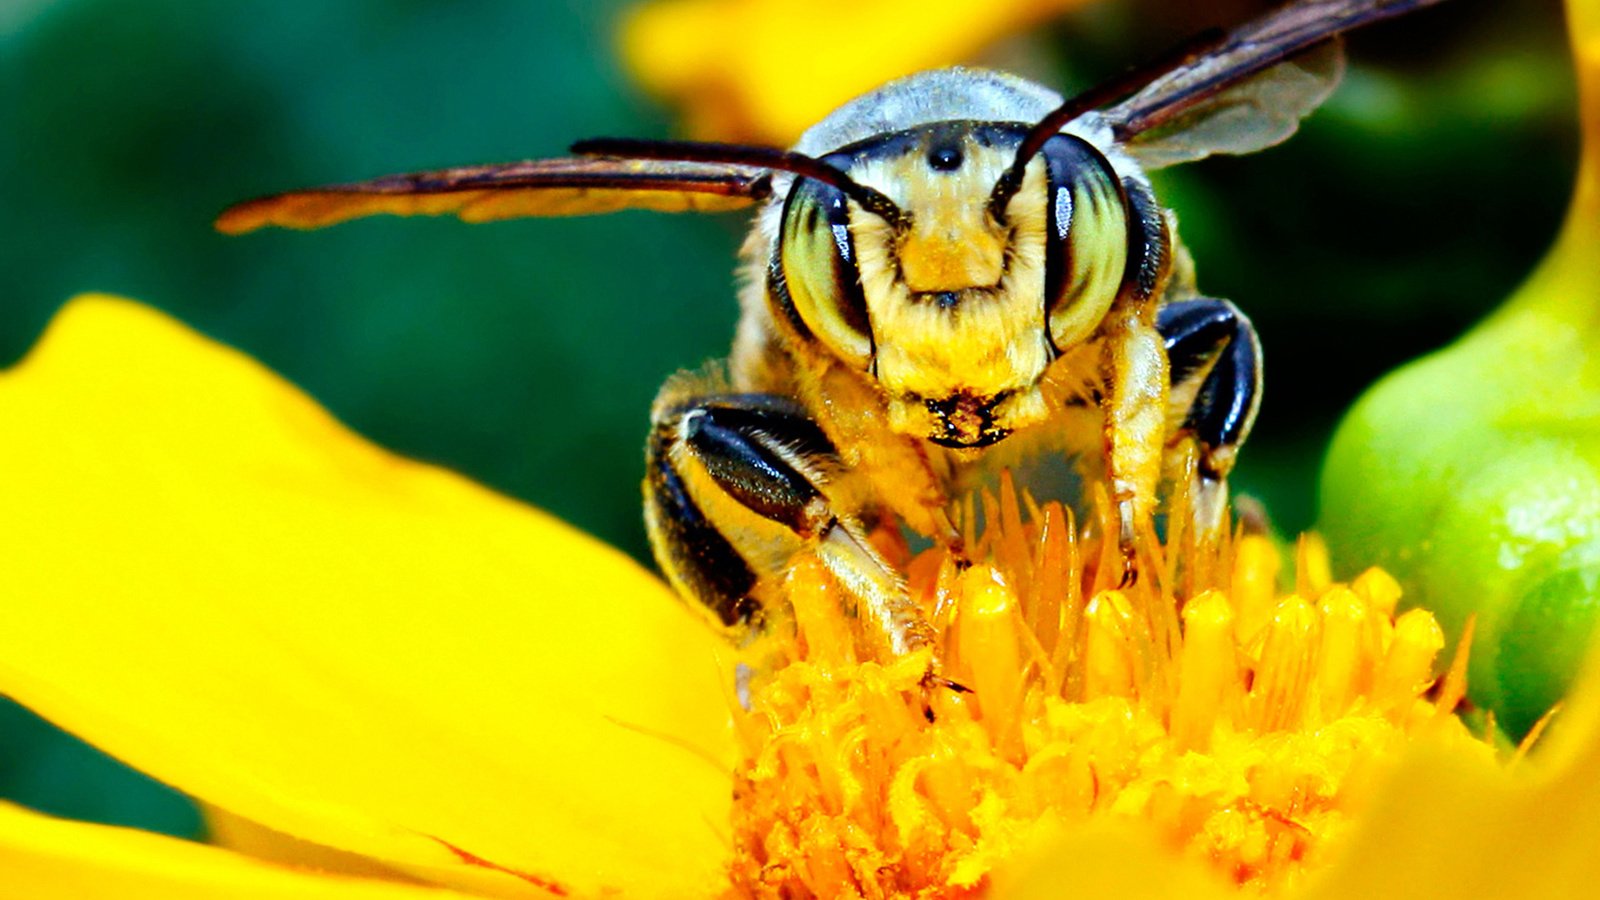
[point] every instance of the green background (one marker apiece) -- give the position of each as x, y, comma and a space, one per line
526, 353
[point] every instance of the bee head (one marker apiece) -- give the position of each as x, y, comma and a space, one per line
953, 303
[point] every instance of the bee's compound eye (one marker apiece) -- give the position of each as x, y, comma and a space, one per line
1087, 238
821, 283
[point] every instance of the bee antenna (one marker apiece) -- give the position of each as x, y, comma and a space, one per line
1132, 80
871, 200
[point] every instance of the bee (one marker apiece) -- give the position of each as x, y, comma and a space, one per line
955, 268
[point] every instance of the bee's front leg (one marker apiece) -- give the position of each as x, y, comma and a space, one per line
1135, 374
740, 483
1216, 389
1135, 402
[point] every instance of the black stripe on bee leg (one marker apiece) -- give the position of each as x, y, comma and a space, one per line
691, 552
1215, 360
751, 471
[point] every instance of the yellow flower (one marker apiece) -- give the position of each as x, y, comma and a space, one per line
211, 579
765, 70
387, 682
1244, 738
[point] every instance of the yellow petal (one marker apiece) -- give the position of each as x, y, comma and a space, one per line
42, 858
1106, 860
213, 580
1450, 824
768, 69
224, 829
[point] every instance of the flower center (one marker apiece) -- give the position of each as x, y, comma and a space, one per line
1241, 725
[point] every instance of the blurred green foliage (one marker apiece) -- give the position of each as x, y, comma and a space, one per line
526, 353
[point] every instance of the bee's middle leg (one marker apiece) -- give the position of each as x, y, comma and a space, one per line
1215, 360
740, 483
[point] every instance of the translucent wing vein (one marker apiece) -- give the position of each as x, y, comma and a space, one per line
548, 187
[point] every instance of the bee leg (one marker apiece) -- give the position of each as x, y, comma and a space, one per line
737, 486
1215, 359
1135, 371
1135, 423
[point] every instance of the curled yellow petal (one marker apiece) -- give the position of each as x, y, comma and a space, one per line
210, 578
42, 858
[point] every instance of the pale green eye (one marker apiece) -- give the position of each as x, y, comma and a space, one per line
819, 285
1087, 237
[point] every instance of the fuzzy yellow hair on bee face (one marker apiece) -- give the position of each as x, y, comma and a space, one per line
956, 299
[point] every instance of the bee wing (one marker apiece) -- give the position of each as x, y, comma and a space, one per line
1252, 115
546, 187
1251, 91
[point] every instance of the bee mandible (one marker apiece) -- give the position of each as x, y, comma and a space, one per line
956, 266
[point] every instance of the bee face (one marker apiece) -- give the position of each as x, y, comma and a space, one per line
954, 311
